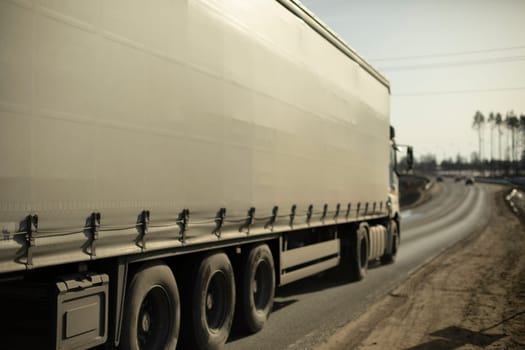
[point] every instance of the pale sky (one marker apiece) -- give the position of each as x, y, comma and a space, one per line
468, 46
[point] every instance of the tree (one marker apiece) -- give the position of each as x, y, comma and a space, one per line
461, 162
478, 123
447, 164
499, 122
513, 124
426, 163
522, 128
492, 122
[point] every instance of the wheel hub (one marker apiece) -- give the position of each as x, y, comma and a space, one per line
209, 301
146, 322
215, 301
154, 319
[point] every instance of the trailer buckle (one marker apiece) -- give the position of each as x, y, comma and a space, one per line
292, 214
30, 226
309, 213
182, 222
325, 210
249, 220
337, 210
219, 221
94, 225
349, 210
143, 228
273, 218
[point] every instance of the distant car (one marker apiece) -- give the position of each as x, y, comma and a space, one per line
439, 179
457, 179
470, 181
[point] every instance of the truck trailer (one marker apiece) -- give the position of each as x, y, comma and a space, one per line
165, 165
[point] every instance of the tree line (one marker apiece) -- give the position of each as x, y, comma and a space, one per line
504, 156
506, 142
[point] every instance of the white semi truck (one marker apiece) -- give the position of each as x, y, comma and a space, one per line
164, 165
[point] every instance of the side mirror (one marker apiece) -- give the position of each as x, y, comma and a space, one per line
410, 157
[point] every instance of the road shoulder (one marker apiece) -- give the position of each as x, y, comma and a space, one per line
471, 297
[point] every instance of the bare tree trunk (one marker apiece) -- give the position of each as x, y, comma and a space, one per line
491, 152
499, 142
479, 142
499, 150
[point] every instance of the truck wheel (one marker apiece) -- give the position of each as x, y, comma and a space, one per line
213, 302
390, 255
257, 288
359, 257
152, 310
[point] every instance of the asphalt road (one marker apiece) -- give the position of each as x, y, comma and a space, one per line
309, 311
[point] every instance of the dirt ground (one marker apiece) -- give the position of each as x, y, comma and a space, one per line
471, 297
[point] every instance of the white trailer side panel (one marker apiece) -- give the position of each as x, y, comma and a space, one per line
119, 106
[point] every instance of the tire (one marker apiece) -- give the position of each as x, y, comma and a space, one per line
359, 254
152, 310
213, 302
390, 255
257, 288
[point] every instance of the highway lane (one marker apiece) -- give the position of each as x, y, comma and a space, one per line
309, 311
